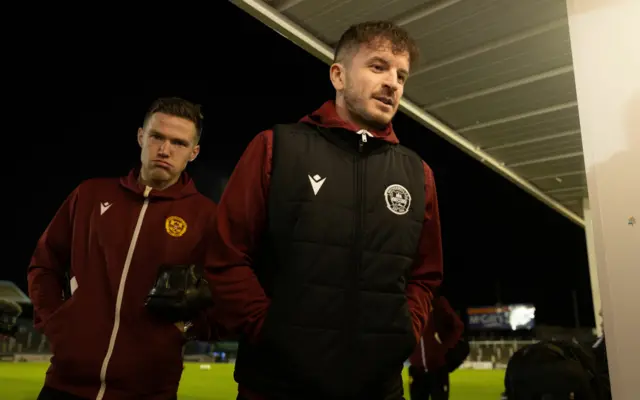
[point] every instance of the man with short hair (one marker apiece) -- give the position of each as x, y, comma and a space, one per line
328, 246
104, 248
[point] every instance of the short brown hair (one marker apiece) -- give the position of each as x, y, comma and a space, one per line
374, 32
178, 107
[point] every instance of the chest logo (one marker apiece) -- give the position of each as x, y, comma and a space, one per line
104, 206
175, 226
398, 199
316, 182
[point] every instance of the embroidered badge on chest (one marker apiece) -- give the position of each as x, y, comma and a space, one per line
398, 199
175, 226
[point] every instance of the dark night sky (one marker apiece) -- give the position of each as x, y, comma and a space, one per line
495, 234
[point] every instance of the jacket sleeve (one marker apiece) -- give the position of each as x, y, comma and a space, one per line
426, 274
206, 326
50, 261
240, 221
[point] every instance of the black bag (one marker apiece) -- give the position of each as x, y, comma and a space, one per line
180, 293
553, 370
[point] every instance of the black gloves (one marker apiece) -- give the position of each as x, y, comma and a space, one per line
179, 294
9, 313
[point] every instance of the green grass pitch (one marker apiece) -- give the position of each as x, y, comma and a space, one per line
22, 381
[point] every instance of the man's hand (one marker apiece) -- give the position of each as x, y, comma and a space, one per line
185, 327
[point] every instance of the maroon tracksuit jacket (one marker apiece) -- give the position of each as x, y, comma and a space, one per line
443, 331
241, 220
111, 235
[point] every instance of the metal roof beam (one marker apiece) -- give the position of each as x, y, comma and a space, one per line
517, 117
283, 25
283, 5
568, 189
425, 11
546, 159
532, 141
505, 86
557, 176
505, 41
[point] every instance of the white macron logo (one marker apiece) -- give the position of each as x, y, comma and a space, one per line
104, 206
316, 182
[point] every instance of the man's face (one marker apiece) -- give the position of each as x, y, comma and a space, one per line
168, 143
374, 83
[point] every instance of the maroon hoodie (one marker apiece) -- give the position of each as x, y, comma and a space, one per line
443, 332
241, 222
111, 235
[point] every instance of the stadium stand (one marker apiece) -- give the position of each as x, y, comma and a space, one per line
27, 340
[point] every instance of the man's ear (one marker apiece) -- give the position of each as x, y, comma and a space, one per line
337, 74
140, 136
194, 152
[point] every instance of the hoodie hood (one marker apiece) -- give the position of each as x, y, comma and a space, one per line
327, 117
184, 187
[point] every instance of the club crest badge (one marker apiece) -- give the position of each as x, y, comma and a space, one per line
398, 199
175, 226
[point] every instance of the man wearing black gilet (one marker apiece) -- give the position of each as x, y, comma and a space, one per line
328, 247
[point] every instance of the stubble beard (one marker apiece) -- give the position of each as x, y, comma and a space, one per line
356, 106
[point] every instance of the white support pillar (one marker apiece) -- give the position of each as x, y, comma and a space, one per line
593, 265
606, 60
